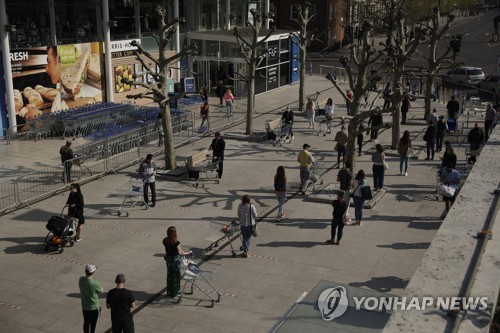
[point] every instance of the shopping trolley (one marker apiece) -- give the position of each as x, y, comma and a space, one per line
133, 192
208, 168
228, 230
192, 270
315, 175
282, 134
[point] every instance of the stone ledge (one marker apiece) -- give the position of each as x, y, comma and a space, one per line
254, 137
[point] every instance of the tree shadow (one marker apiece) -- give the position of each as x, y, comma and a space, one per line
301, 224
298, 244
406, 246
382, 284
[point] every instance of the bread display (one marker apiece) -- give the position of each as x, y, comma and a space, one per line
31, 111
18, 100
48, 94
32, 96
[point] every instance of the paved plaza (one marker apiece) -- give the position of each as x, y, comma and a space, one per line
39, 290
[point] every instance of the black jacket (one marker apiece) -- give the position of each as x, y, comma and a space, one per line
376, 120
287, 116
430, 134
476, 138
218, 147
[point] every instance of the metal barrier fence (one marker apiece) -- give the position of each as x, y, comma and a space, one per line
108, 156
339, 73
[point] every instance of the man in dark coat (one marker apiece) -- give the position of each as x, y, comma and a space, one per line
218, 146
430, 138
453, 107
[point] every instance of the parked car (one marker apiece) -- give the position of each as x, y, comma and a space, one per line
464, 75
490, 83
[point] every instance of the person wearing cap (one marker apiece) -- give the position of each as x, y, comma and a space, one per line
121, 301
89, 291
306, 160
205, 116
218, 146
67, 157
148, 172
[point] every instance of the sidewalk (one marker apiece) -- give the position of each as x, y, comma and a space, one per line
39, 291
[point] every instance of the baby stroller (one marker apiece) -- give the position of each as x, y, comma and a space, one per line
61, 230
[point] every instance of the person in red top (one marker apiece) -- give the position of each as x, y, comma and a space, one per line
229, 98
205, 116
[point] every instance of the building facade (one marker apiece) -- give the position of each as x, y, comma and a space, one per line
61, 54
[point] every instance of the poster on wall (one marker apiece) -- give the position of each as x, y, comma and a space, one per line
55, 78
123, 72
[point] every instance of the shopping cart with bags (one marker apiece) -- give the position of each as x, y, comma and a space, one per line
228, 230
193, 271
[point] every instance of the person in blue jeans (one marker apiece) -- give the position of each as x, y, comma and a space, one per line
359, 183
247, 215
339, 210
378, 159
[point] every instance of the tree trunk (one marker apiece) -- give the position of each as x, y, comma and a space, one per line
168, 139
396, 115
250, 98
429, 83
302, 96
351, 130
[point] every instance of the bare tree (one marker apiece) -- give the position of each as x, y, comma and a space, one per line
434, 32
399, 47
253, 51
300, 38
157, 89
359, 83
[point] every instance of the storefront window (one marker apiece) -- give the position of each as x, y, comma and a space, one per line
124, 17
31, 18
76, 21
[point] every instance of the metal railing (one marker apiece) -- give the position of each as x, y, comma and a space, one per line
109, 156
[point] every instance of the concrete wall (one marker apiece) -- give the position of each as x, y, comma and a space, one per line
445, 264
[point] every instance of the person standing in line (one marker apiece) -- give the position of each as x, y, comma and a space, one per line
348, 102
280, 182
75, 206
89, 292
218, 146
386, 95
440, 133
345, 178
450, 177
340, 147
67, 157
358, 184
449, 157
220, 90
452, 107
247, 215
287, 119
433, 117
405, 107
476, 141
378, 159
404, 147
310, 112
121, 301
329, 115
148, 172
490, 120
205, 116
339, 209
306, 160
229, 98
360, 139
172, 253
430, 139
375, 120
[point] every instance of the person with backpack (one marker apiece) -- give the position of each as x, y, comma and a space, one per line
287, 119
358, 183
67, 157
280, 182
148, 172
